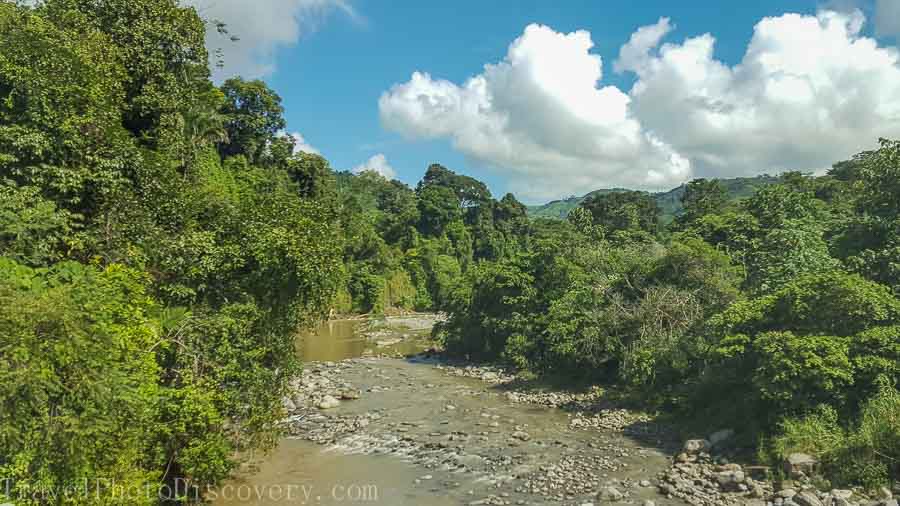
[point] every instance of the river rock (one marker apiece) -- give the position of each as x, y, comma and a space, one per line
799, 464
729, 480
787, 493
490, 376
807, 498
521, 435
350, 395
884, 493
610, 494
694, 446
328, 402
842, 494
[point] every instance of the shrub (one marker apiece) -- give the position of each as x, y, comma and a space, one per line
796, 372
866, 453
78, 384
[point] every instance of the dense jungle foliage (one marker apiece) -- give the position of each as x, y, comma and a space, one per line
786, 300
161, 240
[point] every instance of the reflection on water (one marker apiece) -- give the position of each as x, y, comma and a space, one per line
341, 339
332, 340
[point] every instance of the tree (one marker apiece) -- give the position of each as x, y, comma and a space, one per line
701, 197
204, 125
161, 46
788, 252
195, 271
469, 191
623, 211
61, 110
438, 207
311, 173
255, 116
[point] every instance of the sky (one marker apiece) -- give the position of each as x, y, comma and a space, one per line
547, 99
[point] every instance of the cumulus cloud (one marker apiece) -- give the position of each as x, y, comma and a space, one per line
262, 26
810, 90
300, 144
539, 115
634, 56
377, 163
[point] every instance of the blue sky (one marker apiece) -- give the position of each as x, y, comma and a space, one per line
339, 57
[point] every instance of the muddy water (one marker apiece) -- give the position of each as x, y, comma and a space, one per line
433, 439
300, 472
341, 339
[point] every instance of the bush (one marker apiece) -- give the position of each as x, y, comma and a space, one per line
492, 305
867, 453
796, 372
78, 384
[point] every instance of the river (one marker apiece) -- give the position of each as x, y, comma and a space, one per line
420, 435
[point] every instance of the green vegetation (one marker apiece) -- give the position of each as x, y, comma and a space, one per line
161, 241
159, 245
406, 249
669, 202
787, 298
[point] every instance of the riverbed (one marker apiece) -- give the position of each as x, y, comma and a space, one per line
366, 427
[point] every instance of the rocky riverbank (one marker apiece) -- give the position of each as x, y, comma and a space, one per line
479, 437
471, 439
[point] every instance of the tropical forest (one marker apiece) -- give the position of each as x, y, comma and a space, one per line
195, 308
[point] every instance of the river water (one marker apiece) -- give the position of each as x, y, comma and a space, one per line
431, 438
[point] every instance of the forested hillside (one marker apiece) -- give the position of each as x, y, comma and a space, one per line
669, 202
787, 300
162, 240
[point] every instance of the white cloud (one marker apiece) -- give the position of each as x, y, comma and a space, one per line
634, 56
262, 26
377, 163
809, 91
540, 116
300, 144
887, 17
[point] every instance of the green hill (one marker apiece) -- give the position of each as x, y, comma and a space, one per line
669, 202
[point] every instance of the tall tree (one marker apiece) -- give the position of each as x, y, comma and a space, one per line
624, 211
254, 117
701, 197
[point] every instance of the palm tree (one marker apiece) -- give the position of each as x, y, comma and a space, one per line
203, 126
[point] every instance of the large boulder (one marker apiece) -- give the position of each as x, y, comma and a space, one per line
695, 446
807, 498
729, 480
799, 464
610, 494
328, 402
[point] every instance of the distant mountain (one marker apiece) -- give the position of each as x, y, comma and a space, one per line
669, 202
